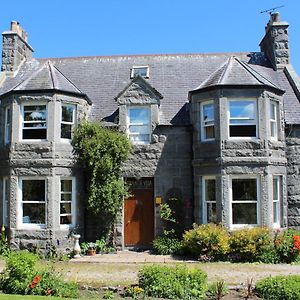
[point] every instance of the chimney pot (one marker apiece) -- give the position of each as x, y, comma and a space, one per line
275, 17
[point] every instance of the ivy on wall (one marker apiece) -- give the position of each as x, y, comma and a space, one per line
102, 151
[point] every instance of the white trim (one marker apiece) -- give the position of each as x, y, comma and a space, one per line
250, 121
5, 201
258, 205
8, 122
73, 123
20, 223
42, 103
139, 67
202, 122
278, 179
139, 124
204, 201
73, 203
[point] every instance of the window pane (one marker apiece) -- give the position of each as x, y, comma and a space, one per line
31, 134
33, 190
139, 115
140, 138
211, 213
242, 131
275, 189
67, 113
66, 131
276, 212
208, 112
66, 185
210, 190
209, 132
244, 213
65, 220
140, 71
35, 113
272, 111
143, 129
244, 189
34, 213
65, 208
242, 109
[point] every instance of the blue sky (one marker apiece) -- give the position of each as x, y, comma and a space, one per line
59, 28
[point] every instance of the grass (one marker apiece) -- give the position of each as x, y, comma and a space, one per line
29, 297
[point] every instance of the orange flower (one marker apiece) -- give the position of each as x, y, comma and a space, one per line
35, 281
49, 292
296, 242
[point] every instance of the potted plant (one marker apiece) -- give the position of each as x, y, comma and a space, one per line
91, 251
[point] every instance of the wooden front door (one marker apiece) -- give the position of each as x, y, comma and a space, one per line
139, 218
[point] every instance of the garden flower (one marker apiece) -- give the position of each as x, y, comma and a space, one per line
35, 281
296, 242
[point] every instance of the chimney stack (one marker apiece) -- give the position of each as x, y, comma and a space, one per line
15, 48
275, 43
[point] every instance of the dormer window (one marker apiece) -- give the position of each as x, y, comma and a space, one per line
142, 71
34, 125
139, 125
242, 118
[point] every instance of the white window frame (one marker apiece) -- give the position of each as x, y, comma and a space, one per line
206, 123
20, 205
254, 122
23, 122
5, 205
132, 71
139, 124
276, 200
73, 202
273, 122
204, 200
72, 124
8, 121
258, 201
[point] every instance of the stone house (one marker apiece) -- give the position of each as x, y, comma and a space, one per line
219, 131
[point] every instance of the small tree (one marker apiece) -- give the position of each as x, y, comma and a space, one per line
102, 152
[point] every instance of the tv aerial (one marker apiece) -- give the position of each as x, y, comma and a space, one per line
271, 10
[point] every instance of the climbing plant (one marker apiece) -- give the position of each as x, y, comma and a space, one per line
102, 152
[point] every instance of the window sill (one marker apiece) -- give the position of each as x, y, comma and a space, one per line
24, 226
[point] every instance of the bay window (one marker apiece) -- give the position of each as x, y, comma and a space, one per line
67, 201
139, 125
207, 121
34, 125
209, 200
33, 201
242, 118
67, 120
244, 201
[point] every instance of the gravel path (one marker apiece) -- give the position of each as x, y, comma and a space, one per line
123, 267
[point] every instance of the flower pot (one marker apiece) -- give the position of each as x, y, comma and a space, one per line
91, 252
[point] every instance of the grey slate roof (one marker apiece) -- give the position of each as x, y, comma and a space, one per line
173, 76
236, 73
46, 77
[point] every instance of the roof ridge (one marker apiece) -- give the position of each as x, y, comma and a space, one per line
67, 79
247, 67
51, 74
224, 73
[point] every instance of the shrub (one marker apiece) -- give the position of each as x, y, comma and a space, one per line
252, 244
22, 277
217, 290
209, 240
165, 245
287, 246
173, 282
279, 287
